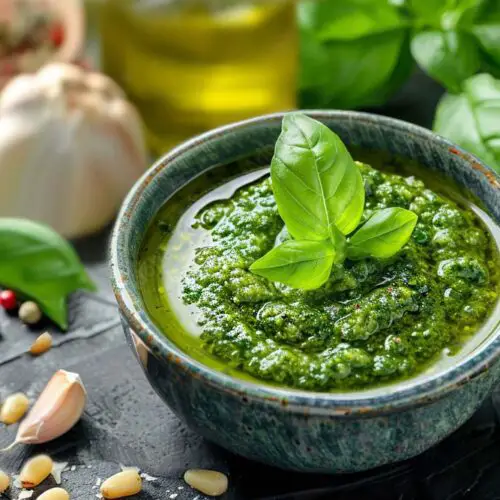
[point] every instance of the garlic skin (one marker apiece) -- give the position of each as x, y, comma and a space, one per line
71, 146
56, 411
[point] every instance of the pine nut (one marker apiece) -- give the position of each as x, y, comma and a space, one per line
209, 482
4, 482
123, 484
14, 408
35, 471
30, 313
42, 344
54, 494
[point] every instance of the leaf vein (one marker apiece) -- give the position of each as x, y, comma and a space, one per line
316, 170
301, 204
297, 176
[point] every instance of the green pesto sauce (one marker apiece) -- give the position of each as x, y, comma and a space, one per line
373, 322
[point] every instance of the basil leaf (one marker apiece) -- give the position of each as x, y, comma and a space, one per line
427, 12
448, 56
444, 15
352, 53
461, 15
383, 235
472, 119
316, 183
40, 264
487, 29
299, 264
349, 20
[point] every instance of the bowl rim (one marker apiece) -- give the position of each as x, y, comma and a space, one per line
323, 403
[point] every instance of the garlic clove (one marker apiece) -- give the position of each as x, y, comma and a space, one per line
57, 410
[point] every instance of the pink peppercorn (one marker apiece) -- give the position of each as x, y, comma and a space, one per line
8, 299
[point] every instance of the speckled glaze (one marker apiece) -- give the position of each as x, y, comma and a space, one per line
304, 431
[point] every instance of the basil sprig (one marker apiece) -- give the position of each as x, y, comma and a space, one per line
320, 195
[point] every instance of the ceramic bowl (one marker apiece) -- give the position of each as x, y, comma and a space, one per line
305, 431
68, 17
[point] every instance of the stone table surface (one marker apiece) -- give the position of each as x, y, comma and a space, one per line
126, 423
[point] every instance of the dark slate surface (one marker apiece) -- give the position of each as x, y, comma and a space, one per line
126, 423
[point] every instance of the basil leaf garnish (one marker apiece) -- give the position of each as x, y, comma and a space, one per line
315, 181
385, 233
40, 264
320, 195
299, 264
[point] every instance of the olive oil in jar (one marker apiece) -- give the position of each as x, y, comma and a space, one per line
191, 65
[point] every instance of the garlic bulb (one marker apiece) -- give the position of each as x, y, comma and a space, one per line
71, 146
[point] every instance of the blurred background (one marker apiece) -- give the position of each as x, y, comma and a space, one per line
190, 66
116, 83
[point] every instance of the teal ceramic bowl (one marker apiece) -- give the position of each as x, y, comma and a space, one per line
305, 431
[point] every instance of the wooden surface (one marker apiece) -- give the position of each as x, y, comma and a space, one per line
126, 423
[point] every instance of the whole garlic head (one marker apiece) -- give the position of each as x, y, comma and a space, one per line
71, 146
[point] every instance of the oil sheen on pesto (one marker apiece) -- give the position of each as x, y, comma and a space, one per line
374, 321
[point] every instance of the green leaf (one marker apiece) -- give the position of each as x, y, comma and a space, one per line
443, 15
487, 29
40, 264
299, 264
350, 20
383, 235
316, 183
472, 119
352, 53
448, 56
427, 12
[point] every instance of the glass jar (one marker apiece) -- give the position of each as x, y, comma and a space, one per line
191, 65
